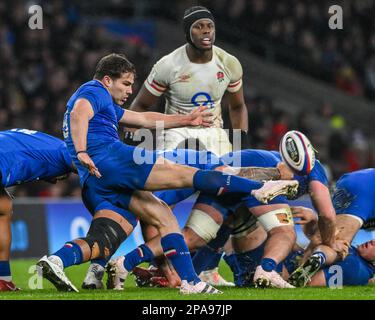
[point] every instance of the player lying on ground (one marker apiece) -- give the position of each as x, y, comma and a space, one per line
354, 201
203, 160
25, 156
116, 178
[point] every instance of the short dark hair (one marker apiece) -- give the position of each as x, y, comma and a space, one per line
113, 65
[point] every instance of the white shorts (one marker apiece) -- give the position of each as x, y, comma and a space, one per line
215, 140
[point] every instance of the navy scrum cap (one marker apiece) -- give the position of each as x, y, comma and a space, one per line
192, 15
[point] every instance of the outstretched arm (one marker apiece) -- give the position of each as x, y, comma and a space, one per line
199, 117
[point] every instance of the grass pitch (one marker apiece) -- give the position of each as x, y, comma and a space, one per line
25, 278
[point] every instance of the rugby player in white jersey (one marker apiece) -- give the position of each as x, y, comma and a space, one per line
195, 74
198, 74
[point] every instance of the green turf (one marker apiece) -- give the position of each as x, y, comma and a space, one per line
22, 277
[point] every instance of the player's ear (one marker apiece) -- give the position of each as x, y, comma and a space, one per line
107, 81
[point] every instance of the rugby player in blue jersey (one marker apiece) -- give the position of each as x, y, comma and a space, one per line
278, 222
114, 176
25, 156
354, 202
357, 268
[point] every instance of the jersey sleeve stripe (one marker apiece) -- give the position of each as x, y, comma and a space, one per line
235, 86
153, 89
232, 85
158, 84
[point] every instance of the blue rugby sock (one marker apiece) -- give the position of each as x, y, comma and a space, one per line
70, 254
208, 257
5, 273
176, 250
268, 264
321, 256
232, 262
217, 183
137, 256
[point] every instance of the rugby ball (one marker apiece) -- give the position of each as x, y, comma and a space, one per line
297, 152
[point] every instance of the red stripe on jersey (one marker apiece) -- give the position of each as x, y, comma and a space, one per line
231, 85
158, 84
155, 87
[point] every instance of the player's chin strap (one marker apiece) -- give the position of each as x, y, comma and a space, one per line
190, 18
104, 237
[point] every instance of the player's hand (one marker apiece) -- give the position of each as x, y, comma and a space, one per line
306, 215
87, 162
341, 247
285, 172
201, 117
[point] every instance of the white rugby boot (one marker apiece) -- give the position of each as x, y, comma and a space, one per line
200, 287
214, 278
272, 189
117, 274
94, 277
52, 269
265, 279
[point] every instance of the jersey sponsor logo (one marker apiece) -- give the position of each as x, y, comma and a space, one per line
220, 76
202, 99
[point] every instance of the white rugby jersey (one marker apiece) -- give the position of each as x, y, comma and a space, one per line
187, 85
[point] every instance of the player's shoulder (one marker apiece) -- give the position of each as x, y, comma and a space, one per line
229, 60
173, 57
92, 86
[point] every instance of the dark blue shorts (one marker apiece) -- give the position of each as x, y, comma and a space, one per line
121, 175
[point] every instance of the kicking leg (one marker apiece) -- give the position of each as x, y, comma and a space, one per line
168, 175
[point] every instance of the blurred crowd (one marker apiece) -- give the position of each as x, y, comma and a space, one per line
297, 34
42, 68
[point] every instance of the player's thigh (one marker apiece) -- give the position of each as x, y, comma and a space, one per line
168, 175
275, 218
318, 280
6, 207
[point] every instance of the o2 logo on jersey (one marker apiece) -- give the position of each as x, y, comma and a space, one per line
202, 99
